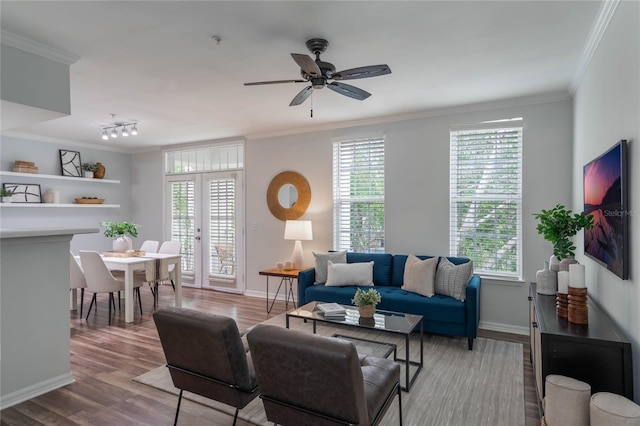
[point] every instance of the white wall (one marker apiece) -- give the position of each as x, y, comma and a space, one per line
47, 159
417, 192
607, 109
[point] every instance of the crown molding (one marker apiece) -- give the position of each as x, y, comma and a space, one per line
437, 112
606, 12
37, 48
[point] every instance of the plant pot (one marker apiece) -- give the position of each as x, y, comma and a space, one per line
6, 200
88, 175
122, 244
564, 263
367, 311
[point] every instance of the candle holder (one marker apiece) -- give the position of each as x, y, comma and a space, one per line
562, 305
577, 307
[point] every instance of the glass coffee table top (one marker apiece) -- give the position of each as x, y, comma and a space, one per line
394, 322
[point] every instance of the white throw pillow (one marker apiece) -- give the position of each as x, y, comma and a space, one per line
420, 275
322, 265
452, 280
339, 274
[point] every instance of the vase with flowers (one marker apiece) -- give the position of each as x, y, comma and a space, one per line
121, 232
366, 301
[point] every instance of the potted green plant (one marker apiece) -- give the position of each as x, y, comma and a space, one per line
89, 169
6, 195
559, 225
366, 301
121, 232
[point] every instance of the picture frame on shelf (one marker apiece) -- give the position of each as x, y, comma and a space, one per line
24, 193
70, 163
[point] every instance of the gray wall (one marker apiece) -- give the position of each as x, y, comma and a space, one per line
607, 109
46, 156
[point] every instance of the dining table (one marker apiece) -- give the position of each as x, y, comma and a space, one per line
129, 264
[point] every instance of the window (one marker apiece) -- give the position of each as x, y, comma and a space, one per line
222, 227
183, 221
486, 196
205, 159
358, 195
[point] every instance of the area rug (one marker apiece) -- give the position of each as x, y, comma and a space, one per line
456, 386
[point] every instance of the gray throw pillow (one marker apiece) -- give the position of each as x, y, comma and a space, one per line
322, 260
451, 280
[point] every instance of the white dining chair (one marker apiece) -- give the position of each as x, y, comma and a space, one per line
171, 247
76, 278
150, 246
100, 280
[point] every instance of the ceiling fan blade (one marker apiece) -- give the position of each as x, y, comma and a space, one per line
362, 72
307, 64
302, 96
348, 90
257, 83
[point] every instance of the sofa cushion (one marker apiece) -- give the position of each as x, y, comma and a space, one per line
397, 274
381, 265
419, 275
321, 263
451, 279
340, 274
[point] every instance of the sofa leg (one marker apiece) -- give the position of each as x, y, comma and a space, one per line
470, 342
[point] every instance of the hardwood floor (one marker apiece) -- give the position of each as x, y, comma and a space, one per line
105, 359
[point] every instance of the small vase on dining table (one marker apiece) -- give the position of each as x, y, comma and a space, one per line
122, 244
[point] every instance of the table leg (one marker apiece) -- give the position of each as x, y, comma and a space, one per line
406, 362
128, 295
276, 295
290, 293
73, 301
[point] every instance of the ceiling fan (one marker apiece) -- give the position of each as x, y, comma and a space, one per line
318, 73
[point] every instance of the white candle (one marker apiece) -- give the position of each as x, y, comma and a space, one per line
576, 276
563, 282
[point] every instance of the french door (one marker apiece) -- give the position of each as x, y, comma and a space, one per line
205, 213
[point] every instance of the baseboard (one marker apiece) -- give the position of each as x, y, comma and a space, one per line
262, 295
34, 390
504, 328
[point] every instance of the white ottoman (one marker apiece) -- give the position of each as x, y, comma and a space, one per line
566, 401
610, 409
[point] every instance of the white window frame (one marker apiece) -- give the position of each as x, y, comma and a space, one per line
486, 191
343, 166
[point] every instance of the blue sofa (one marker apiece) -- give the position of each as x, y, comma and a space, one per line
441, 314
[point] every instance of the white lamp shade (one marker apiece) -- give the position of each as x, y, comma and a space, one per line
298, 230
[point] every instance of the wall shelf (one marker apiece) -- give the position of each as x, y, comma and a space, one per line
48, 205
56, 177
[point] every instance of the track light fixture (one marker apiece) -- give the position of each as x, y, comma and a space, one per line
113, 130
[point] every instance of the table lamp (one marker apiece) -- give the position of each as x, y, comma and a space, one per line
298, 230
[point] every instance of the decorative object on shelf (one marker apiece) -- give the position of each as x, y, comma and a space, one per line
6, 195
120, 231
558, 226
100, 171
89, 200
48, 197
546, 280
288, 265
279, 265
24, 193
288, 195
576, 276
566, 262
366, 301
554, 263
70, 163
89, 169
577, 310
561, 295
298, 230
112, 130
25, 167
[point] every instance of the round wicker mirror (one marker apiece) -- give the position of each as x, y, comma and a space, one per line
280, 185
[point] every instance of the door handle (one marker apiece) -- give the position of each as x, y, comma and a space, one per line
198, 238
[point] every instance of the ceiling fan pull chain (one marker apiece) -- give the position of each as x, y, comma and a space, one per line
311, 104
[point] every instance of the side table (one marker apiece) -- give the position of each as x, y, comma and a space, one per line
287, 278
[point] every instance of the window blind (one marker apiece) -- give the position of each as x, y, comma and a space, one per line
205, 159
222, 227
486, 197
358, 195
183, 221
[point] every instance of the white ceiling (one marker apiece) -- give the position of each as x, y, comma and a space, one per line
156, 62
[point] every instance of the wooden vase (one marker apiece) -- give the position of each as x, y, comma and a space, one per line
562, 305
578, 312
99, 174
367, 311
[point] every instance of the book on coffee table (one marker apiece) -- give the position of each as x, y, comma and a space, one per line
331, 309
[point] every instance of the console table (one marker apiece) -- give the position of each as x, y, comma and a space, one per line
596, 353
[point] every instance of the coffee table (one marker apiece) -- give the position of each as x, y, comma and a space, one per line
383, 321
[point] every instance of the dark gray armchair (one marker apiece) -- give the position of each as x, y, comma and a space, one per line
307, 379
205, 355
